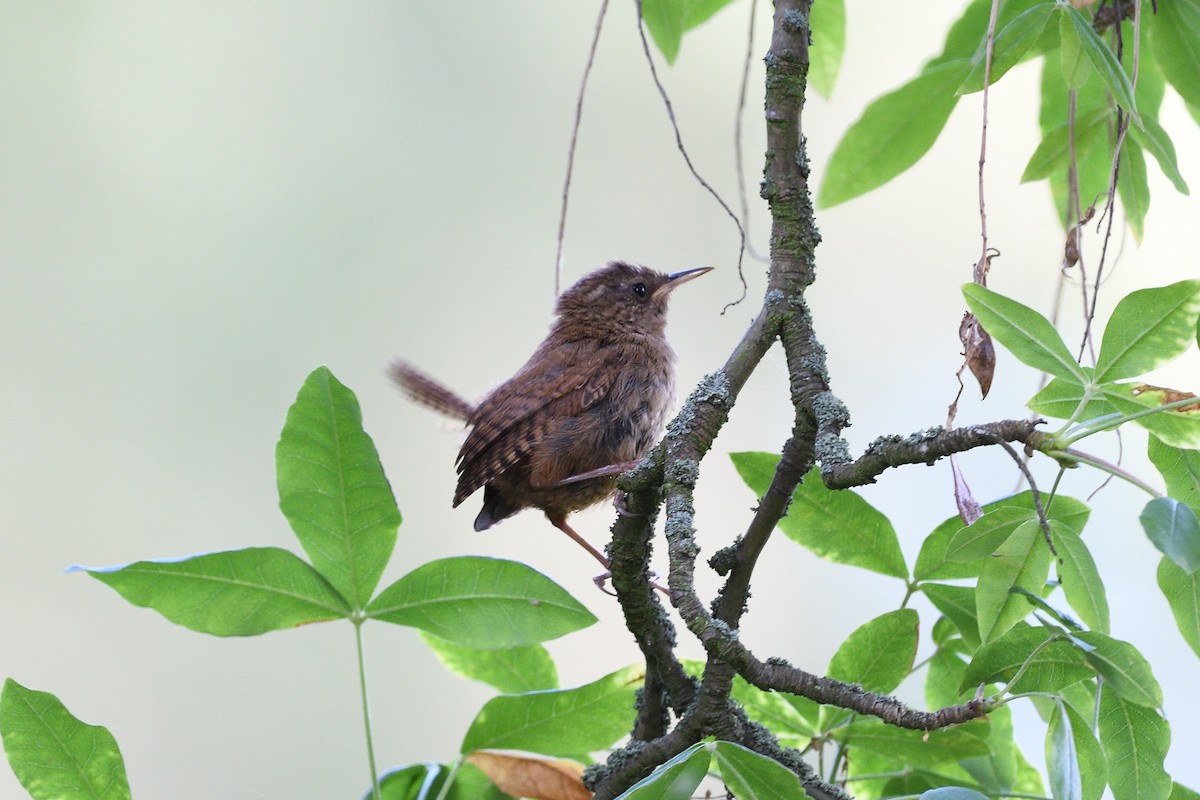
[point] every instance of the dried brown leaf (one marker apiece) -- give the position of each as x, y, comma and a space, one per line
979, 351
531, 775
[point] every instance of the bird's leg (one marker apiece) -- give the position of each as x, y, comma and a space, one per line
560, 521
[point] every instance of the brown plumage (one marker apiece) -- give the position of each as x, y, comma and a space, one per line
591, 400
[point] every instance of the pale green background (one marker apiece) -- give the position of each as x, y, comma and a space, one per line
203, 201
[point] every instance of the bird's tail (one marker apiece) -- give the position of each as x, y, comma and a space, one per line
428, 392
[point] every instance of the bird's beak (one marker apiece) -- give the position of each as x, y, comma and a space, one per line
677, 279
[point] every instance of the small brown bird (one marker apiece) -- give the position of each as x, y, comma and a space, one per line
587, 405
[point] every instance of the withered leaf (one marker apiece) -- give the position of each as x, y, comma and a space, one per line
979, 351
522, 774
1165, 395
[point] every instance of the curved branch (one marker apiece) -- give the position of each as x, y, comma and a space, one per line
925, 447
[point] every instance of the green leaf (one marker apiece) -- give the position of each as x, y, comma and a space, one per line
1155, 141
1093, 766
512, 670
827, 21
1023, 561
1076, 66
1182, 591
932, 563
332, 488
1013, 42
424, 782
1053, 154
231, 593
486, 603
1176, 427
953, 793
1180, 792
919, 748
892, 134
1133, 187
941, 683
53, 754
665, 20
1124, 668
1060, 398
879, 653
981, 538
751, 776
561, 722
1174, 530
1027, 334
1062, 759
1054, 666
1135, 742
1175, 36
837, 525
773, 710
1079, 577
1104, 61
1148, 328
675, 779
958, 604
1180, 470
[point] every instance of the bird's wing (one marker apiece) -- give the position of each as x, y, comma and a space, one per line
554, 386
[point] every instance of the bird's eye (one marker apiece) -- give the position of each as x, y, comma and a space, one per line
639, 290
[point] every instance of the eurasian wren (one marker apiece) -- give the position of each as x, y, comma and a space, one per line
587, 405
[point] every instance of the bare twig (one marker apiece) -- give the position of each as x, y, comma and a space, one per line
662, 91
562, 217
738, 155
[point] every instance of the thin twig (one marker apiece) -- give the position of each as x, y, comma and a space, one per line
738, 155
562, 217
662, 91
981, 267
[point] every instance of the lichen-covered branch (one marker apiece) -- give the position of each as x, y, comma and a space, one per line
924, 447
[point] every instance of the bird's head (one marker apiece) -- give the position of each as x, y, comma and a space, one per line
623, 296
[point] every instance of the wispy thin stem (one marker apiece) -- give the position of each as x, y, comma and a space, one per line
566, 192
662, 91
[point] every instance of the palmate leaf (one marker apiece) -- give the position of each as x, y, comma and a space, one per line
332, 488
893, 133
1177, 427
1175, 36
827, 20
674, 779
1173, 528
877, 656
1133, 187
1123, 667
1155, 141
1104, 61
1062, 759
1027, 334
1079, 577
559, 722
512, 670
1135, 740
424, 782
838, 525
1055, 666
1023, 561
751, 776
232, 593
1148, 328
1013, 42
54, 755
1180, 470
486, 603
1182, 590
668, 20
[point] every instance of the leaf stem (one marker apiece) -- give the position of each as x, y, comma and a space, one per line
1071, 454
366, 710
